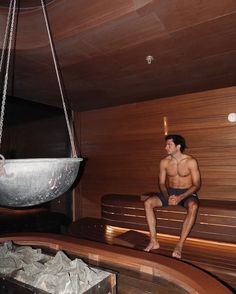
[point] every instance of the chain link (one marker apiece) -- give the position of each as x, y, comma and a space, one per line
7, 70
5, 36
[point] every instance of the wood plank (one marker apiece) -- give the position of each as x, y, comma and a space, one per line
220, 260
121, 259
125, 144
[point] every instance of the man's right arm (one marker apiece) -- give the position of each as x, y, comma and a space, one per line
162, 179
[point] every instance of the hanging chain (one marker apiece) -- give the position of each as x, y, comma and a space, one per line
59, 81
7, 69
5, 36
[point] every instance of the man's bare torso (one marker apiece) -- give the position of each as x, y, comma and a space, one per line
178, 173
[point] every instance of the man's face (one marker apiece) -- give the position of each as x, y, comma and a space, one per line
171, 148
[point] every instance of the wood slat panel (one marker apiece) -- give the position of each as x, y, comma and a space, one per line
216, 220
220, 260
123, 145
114, 212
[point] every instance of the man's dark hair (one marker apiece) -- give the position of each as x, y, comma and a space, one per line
178, 140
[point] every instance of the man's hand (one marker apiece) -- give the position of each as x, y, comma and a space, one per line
173, 200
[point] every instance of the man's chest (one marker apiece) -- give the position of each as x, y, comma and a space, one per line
178, 169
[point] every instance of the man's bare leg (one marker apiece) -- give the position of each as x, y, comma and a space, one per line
150, 204
192, 208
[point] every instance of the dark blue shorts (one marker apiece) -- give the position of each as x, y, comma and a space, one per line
174, 191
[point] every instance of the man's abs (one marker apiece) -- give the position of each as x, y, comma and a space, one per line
179, 182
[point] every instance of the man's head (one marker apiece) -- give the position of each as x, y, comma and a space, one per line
177, 140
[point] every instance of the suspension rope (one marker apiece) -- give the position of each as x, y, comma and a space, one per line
5, 35
7, 70
59, 80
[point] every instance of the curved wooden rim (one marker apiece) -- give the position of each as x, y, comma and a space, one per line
186, 276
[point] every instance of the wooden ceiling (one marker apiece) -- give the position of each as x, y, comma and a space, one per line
102, 47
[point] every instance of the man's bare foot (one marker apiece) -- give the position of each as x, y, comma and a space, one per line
152, 245
177, 251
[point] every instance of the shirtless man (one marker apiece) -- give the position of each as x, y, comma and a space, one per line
179, 180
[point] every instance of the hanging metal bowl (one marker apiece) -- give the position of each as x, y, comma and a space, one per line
27, 182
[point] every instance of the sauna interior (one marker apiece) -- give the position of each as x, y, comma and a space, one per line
130, 72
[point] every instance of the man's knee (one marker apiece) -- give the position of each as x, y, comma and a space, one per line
148, 203
152, 202
192, 206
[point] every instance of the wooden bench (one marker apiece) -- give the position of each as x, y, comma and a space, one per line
216, 220
140, 271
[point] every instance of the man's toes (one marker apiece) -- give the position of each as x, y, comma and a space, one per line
176, 253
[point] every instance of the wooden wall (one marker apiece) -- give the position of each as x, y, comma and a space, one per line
123, 146
37, 139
